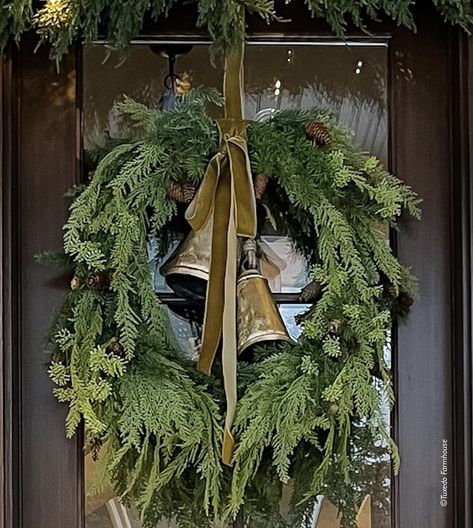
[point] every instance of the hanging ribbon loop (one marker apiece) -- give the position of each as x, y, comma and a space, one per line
235, 154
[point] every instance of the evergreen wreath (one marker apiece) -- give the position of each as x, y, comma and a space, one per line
61, 22
309, 414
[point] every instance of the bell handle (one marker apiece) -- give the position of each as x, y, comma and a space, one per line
250, 260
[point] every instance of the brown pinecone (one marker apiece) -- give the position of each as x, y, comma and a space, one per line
98, 281
318, 132
57, 356
75, 282
334, 326
115, 349
260, 183
311, 293
182, 192
389, 289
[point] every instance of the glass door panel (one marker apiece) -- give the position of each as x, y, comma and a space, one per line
350, 80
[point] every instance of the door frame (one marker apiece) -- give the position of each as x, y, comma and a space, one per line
27, 289
462, 298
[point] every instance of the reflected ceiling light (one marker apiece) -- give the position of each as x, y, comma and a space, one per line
264, 114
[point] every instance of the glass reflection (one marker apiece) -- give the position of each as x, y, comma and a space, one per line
316, 75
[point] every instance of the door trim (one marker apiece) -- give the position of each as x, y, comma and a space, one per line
10, 405
462, 298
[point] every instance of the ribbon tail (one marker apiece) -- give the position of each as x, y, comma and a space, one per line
215, 297
200, 209
229, 350
226, 194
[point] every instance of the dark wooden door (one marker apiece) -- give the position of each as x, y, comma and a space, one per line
430, 105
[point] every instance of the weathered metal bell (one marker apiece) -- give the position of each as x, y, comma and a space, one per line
258, 318
187, 269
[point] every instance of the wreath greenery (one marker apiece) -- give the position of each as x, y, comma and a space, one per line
60, 22
309, 413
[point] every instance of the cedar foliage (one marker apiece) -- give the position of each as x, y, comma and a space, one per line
60, 22
308, 413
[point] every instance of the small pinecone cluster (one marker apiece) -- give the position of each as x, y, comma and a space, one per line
93, 281
98, 281
115, 349
58, 356
75, 282
260, 183
401, 300
334, 326
318, 132
311, 293
182, 192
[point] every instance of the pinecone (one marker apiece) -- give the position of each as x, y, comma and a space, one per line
115, 349
182, 192
98, 281
57, 356
260, 183
318, 132
311, 293
75, 282
334, 326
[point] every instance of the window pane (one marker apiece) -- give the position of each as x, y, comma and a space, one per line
348, 79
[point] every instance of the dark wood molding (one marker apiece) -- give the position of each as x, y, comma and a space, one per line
420, 153
10, 418
42, 477
462, 294
51, 469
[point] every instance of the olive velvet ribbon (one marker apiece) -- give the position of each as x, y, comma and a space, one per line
226, 198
